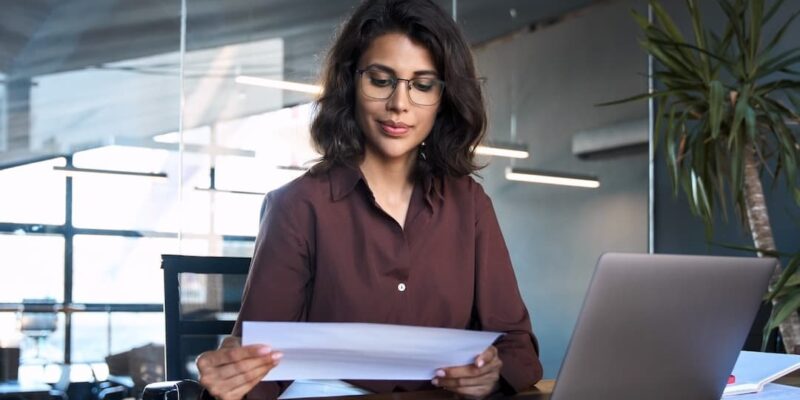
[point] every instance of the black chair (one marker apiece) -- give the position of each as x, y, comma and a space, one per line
202, 296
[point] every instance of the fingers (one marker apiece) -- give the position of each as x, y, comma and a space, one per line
231, 341
226, 355
475, 380
242, 367
469, 375
233, 370
486, 357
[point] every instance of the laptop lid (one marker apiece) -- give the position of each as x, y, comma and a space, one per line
658, 326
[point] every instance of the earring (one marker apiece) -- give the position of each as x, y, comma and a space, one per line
422, 151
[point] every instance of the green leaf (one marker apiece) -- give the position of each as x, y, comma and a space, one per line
785, 308
666, 21
736, 21
793, 281
750, 123
642, 96
795, 100
781, 32
739, 111
691, 47
756, 19
716, 106
641, 20
751, 249
776, 63
737, 167
772, 10
700, 39
786, 273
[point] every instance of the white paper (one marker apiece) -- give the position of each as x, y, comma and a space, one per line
772, 391
364, 351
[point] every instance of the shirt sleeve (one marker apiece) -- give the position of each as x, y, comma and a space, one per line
499, 305
280, 274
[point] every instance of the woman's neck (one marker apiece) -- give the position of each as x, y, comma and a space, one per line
388, 179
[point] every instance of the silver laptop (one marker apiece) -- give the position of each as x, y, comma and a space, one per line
661, 327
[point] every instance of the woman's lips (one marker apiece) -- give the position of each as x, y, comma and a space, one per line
393, 128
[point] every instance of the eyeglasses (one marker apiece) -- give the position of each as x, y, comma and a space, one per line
380, 85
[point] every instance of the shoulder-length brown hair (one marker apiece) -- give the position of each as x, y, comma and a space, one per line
461, 120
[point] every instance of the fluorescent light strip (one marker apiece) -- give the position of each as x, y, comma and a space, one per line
511, 150
73, 171
276, 84
549, 178
229, 191
292, 168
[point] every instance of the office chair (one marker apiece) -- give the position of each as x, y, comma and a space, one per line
38, 325
202, 296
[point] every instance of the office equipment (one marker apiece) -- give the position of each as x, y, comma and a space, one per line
201, 302
661, 327
753, 370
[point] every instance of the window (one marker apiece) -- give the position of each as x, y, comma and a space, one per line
42, 203
32, 267
113, 269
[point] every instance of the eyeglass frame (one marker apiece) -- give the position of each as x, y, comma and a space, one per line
395, 81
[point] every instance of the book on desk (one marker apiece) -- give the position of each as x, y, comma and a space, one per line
754, 370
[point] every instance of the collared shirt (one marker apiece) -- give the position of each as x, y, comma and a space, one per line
327, 252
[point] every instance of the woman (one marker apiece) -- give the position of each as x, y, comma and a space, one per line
388, 227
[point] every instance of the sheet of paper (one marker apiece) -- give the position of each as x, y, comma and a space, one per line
364, 351
772, 391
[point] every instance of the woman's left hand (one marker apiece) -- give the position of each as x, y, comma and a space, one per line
476, 380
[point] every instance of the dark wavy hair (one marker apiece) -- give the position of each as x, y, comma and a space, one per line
461, 121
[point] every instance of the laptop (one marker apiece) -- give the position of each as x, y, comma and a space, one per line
658, 326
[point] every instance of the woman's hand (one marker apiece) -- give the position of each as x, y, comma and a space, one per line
231, 371
476, 380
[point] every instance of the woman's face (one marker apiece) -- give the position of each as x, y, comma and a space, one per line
395, 127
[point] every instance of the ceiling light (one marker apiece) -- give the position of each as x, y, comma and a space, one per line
215, 190
74, 171
550, 178
499, 149
276, 84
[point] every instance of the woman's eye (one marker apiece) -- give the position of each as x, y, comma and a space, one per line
424, 86
381, 82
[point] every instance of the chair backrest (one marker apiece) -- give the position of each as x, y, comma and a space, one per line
38, 324
202, 296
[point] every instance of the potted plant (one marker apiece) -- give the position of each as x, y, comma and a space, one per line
723, 108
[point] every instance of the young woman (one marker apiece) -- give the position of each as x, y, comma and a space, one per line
388, 227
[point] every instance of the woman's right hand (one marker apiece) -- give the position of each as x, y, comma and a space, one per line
231, 371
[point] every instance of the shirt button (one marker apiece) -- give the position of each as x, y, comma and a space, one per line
401, 287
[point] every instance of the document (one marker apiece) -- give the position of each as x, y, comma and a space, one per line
364, 351
753, 370
771, 391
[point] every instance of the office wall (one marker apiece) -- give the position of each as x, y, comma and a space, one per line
553, 77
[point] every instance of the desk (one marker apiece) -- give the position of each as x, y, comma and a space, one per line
543, 387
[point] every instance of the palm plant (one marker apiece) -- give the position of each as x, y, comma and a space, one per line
724, 108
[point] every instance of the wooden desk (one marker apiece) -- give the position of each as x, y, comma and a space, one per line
543, 387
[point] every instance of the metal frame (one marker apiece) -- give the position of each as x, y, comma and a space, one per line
175, 328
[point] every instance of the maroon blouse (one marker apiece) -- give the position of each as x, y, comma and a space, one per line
327, 252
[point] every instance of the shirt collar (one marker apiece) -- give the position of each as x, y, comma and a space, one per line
345, 178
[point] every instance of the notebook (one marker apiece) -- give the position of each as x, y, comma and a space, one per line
753, 370
661, 327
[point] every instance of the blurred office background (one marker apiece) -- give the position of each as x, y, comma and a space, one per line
124, 137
